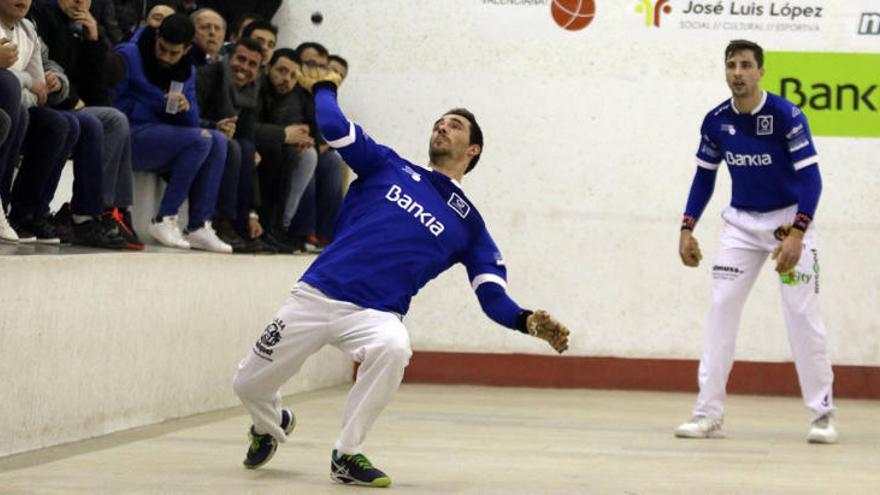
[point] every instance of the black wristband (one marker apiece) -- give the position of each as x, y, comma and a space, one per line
521, 320
688, 222
801, 221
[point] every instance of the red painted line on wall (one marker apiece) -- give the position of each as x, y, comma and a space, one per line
527, 370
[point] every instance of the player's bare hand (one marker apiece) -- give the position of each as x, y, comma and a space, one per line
543, 326
307, 76
8, 53
788, 252
689, 249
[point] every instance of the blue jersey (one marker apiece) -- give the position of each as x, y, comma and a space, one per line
400, 226
763, 151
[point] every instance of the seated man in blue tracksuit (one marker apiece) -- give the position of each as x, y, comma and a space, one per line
168, 140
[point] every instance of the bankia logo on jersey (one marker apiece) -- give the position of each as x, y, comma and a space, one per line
418, 212
748, 159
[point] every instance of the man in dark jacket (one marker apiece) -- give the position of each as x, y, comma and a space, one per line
287, 144
228, 96
165, 132
76, 43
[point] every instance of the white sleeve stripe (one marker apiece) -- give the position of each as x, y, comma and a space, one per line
344, 140
799, 146
806, 162
488, 277
705, 164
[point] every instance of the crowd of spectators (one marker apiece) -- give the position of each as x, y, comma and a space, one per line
192, 91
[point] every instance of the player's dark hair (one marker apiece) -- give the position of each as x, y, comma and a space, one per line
337, 58
251, 45
263, 25
476, 136
321, 49
739, 45
288, 53
177, 29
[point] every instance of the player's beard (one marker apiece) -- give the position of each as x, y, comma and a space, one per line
437, 154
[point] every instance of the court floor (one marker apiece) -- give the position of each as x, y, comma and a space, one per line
437, 439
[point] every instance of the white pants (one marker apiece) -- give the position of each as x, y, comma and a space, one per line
747, 240
308, 321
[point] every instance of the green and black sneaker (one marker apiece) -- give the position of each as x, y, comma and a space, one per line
263, 447
356, 470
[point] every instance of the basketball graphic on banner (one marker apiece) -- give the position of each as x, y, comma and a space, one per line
573, 15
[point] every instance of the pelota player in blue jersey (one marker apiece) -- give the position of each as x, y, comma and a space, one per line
774, 170
400, 226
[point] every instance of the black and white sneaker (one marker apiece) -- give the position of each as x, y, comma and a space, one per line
40, 228
263, 446
356, 469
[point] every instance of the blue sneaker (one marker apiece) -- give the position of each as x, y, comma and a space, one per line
356, 470
263, 447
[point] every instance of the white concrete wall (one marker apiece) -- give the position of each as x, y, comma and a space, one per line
96, 343
590, 137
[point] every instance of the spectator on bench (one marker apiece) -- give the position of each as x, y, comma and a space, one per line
14, 120
315, 213
287, 147
49, 137
165, 132
77, 45
210, 33
266, 34
228, 96
157, 13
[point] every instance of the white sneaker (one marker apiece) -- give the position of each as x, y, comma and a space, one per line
823, 430
7, 233
701, 427
206, 239
167, 232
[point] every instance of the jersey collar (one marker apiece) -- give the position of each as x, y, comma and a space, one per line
431, 169
757, 108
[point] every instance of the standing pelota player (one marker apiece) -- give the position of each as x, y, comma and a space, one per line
766, 143
400, 226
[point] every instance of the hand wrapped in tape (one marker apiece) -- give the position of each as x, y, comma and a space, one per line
307, 76
543, 326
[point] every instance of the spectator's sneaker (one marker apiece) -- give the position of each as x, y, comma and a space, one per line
700, 427
25, 236
63, 221
206, 239
312, 245
95, 233
264, 246
41, 228
167, 232
7, 233
227, 233
281, 242
117, 218
823, 430
356, 470
263, 447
